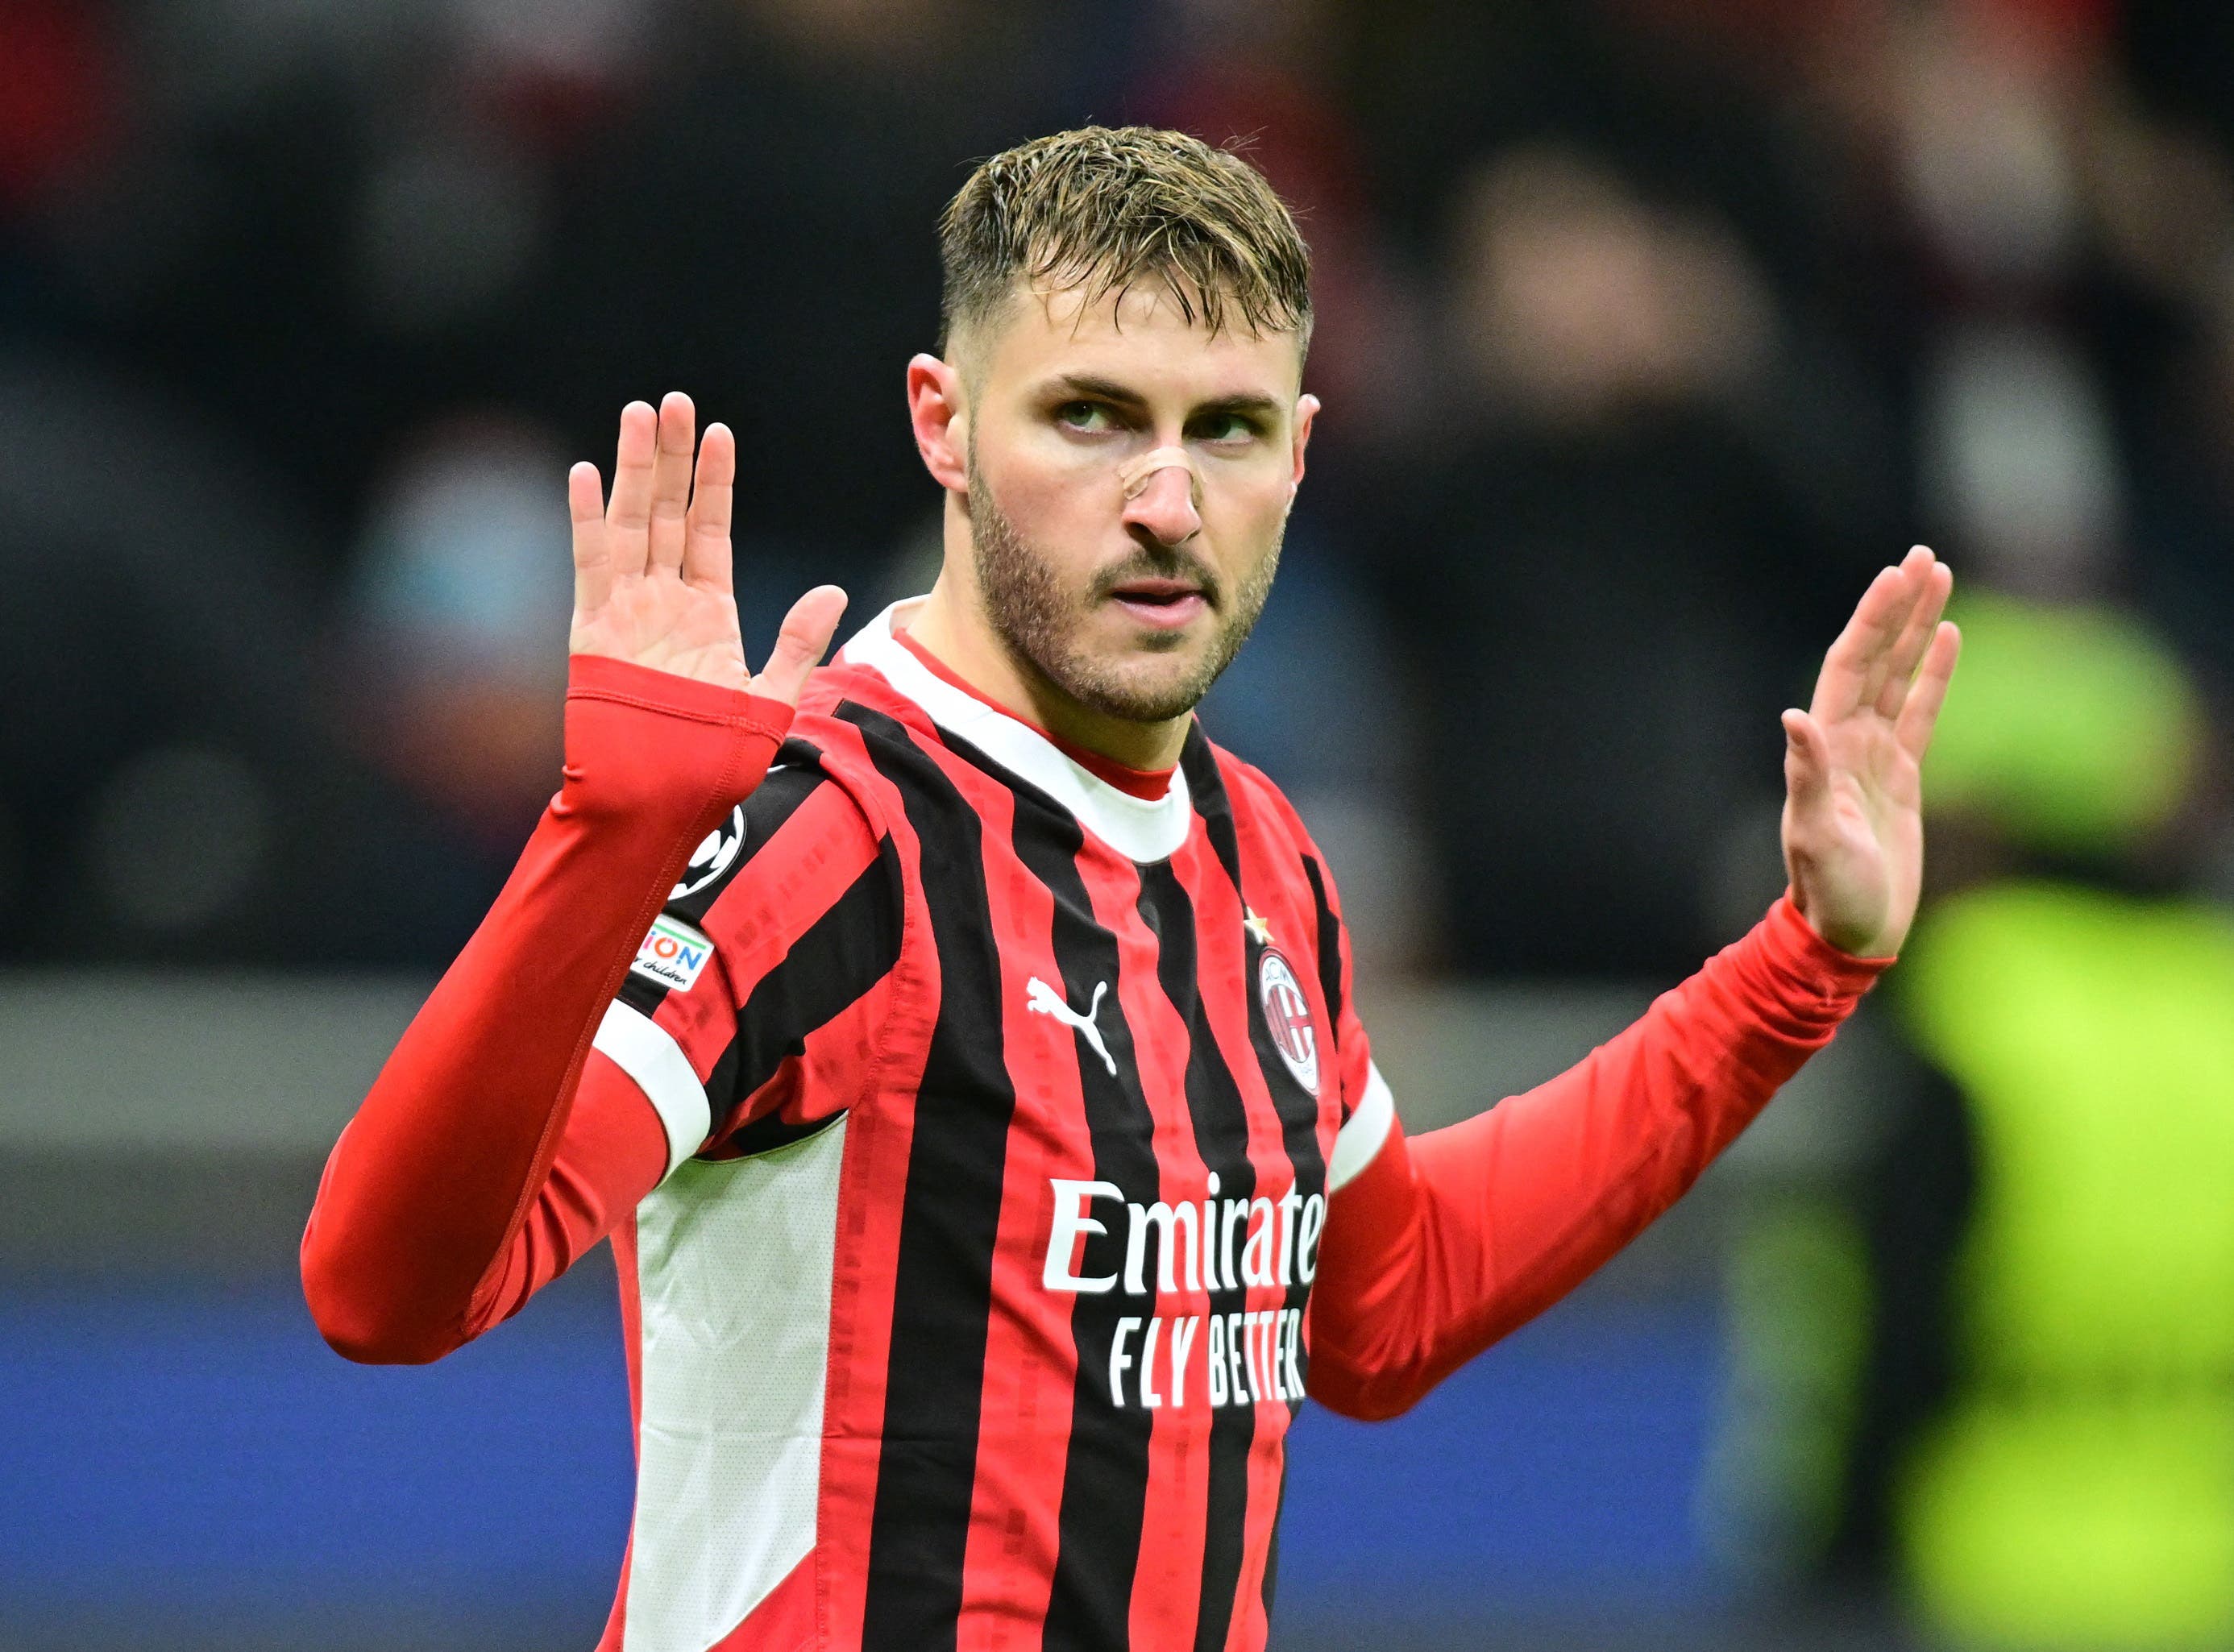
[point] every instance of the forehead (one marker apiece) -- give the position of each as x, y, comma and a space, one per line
1139, 336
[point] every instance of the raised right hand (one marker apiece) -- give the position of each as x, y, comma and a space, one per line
651, 568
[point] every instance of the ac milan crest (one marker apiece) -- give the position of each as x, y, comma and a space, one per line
1287, 1015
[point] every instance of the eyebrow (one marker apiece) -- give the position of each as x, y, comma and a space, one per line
1110, 390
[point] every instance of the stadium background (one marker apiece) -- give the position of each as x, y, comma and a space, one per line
1647, 329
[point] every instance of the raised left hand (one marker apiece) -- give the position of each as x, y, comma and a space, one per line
1853, 825
652, 580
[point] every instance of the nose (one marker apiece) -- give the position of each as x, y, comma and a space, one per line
1167, 506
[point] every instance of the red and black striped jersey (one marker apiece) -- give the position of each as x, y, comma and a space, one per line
1002, 1103
968, 1129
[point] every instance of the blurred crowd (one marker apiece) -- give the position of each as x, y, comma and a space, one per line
1648, 330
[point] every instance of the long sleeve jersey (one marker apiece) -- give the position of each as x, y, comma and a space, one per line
994, 1156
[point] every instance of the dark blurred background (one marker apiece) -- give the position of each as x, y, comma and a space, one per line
1648, 330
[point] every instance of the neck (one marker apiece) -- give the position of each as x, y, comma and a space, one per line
951, 624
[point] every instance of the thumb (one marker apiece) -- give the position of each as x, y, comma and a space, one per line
800, 644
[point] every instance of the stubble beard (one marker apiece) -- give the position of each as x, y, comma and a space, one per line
1038, 621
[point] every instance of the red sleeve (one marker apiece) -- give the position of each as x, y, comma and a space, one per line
1436, 1248
431, 1185
612, 1152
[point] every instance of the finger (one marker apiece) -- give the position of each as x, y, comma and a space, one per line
671, 482
593, 561
1807, 763
1876, 620
706, 543
628, 516
1911, 571
1921, 713
800, 644
1915, 637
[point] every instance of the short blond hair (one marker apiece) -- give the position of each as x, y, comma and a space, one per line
1101, 209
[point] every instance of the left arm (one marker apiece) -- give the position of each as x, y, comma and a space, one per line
1435, 1249
1442, 1245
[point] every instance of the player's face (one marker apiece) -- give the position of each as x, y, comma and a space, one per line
1130, 603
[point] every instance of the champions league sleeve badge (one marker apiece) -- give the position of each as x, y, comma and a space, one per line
714, 855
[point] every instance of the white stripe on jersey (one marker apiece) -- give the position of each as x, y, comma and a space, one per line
1359, 1143
733, 1261
644, 1050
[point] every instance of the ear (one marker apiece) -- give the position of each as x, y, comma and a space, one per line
936, 409
1307, 409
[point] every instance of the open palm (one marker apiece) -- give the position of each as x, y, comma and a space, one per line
1853, 825
652, 582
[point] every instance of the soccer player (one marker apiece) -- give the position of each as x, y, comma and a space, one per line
960, 1050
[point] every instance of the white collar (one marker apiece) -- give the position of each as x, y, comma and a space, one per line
1137, 827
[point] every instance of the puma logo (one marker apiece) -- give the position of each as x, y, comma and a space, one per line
1046, 1000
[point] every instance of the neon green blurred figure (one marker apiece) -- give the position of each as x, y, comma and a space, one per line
2078, 1492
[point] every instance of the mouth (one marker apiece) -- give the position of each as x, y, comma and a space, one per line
1162, 605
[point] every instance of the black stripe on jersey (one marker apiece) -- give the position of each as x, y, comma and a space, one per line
1221, 1134
1105, 1480
765, 1135
843, 954
759, 818
1297, 1107
1206, 786
641, 992
1299, 1116
950, 1217
791, 779
1329, 952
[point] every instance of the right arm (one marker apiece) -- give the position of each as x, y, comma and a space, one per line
444, 1180
1436, 1248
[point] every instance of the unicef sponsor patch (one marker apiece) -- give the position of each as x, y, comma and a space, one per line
1288, 1016
673, 955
